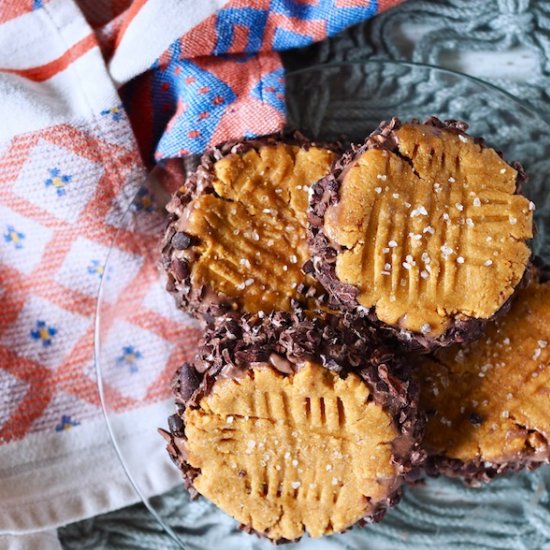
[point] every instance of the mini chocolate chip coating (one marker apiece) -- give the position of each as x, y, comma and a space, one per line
294, 424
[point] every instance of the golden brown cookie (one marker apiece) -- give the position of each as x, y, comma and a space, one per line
488, 402
292, 425
423, 230
236, 239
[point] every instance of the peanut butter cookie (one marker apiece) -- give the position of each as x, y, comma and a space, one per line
422, 229
488, 402
236, 239
293, 425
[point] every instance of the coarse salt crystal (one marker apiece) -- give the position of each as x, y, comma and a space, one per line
451, 180
295, 484
459, 207
392, 244
329, 467
445, 216
293, 259
512, 220
542, 343
387, 267
294, 463
420, 211
503, 170
335, 481
469, 222
378, 190
229, 420
460, 260
428, 229
488, 262
385, 250
245, 262
446, 250
531, 205
395, 195
477, 202
406, 265
426, 328
462, 138
249, 282
424, 274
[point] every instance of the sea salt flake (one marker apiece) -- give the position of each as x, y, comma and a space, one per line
488, 262
459, 207
424, 274
395, 195
382, 177
446, 250
531, 205
477, 202
462, 138
419, 211
542, 343
293, 259
460, 260
295, 484
428, 229
229, 420
378, 190
469, 222
335, 481
392, 244
406, 265
512, 220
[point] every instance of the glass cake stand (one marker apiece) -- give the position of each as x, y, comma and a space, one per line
141, 339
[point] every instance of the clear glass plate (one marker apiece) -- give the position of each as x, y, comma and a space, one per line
141, 340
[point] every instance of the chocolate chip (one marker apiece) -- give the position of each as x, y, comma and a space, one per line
180, 268
188, 380
475, 418
181, 241
175, 423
